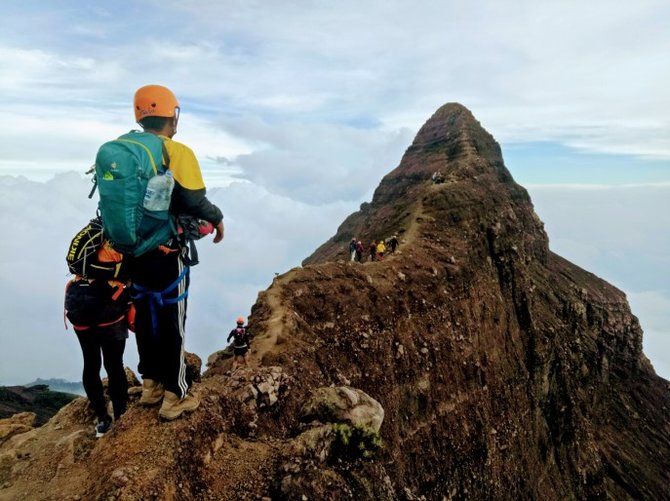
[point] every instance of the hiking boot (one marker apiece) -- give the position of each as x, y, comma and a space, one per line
152, 392
173, 406
103, 426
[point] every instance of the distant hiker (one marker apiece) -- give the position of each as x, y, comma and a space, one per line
160, 269
99, 311
359, 251
393, 243
381, 249
352, 249
372, 250
437, 177
241, 337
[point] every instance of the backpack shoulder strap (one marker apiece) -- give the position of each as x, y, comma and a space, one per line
166, 157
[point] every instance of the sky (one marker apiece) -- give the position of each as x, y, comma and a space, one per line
297, 109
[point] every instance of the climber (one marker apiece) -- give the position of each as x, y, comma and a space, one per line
101, 313
161, 276
241, 338
381, 249
393, 243
352, 249
372, 250
359, 251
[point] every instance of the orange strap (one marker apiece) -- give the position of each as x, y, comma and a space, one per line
119, 290
166, 250
106, 324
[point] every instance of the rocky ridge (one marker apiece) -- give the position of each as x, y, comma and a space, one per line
473, 363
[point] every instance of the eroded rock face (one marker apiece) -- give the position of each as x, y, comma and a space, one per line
491, 368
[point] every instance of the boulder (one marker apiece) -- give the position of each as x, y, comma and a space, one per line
343, 404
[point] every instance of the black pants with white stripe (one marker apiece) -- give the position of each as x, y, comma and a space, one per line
159, 329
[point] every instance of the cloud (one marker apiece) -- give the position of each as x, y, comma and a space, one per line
652, 308
265, 234
268, 233
589, 76
317, 163
621, 233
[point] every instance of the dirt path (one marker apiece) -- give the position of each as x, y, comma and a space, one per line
413, 228
411, 234
274, 326
279, 320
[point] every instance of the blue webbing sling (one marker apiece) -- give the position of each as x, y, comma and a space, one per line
156, 298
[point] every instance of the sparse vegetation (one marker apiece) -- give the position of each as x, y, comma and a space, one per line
355, 441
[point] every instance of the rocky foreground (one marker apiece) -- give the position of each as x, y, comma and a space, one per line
473, 363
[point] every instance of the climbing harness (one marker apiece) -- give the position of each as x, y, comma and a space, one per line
157, 298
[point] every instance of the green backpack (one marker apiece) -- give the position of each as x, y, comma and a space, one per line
123, 168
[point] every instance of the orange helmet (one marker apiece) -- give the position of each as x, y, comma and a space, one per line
155, 101
240, 320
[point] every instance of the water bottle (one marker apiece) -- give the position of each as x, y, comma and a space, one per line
159, 192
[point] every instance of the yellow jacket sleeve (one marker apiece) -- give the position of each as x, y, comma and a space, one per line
189, 195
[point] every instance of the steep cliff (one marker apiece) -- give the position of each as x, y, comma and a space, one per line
503, 370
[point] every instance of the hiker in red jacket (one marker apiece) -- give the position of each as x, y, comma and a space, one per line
372, 250
359, 251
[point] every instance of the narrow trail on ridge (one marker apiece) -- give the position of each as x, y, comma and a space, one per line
279, 321
275, 325
418, 215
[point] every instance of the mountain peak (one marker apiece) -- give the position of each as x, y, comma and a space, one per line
453, 133
453, 143
451, 118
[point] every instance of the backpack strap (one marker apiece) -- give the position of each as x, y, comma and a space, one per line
65, 310
191, 258
166, 157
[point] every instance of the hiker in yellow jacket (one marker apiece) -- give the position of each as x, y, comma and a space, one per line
160, 324
381, 249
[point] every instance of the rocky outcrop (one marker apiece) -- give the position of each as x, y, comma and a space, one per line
487, 368
16, 424
343, 405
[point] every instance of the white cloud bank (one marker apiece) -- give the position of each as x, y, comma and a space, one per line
265, 234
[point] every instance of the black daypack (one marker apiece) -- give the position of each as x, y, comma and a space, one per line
82, 258
95, 303
240, 337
